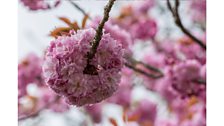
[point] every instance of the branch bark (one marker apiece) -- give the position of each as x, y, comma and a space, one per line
157, 73
90, 69
99, 30
143, 72
175, 13
79, 8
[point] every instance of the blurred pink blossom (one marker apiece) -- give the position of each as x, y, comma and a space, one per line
29, 71
40, 4
95, 111
144, 29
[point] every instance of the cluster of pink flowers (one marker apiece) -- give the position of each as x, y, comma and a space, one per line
199, 10
40, 4
123, 95
135, 19
190, 50
66, 59
30, 73
183, 65
95, 111
144, 29
68, 76
56, 103
45, 99
144, 6
189, 112
144, 113
185, 77
122, 36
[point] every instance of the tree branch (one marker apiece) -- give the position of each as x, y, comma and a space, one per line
175, 13
96, 41
143, 72
147, 66
99, 30
79, 8
132, 65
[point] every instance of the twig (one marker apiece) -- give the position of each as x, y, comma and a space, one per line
99, 30
147, 66
179, 23
132, 65
143, 72
37, 112
79, 8
97, 38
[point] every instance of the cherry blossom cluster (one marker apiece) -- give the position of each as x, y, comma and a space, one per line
134, 18
199, 10
30, 75
94, 65
29, 71
40, 4
122, 36
66, 60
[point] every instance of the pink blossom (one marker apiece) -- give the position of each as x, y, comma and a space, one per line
123, 95
143, 7
179, 107
29, 71
203, 72
167, 122
145, 111
185, 76
154, 59
188, 112
197, 118
135, 20
46, 99
191, 50
65, 61
167, 48
144, 29
39, 4
95, 111
132, 124
56, 103
116, 32
198, 8
187, 70
164, 86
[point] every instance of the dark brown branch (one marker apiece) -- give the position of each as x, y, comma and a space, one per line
99, 30
79, 8
96, 41
143, 72
175, 13
147, 66
34, 114
132, 63
177, 3
170, 8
